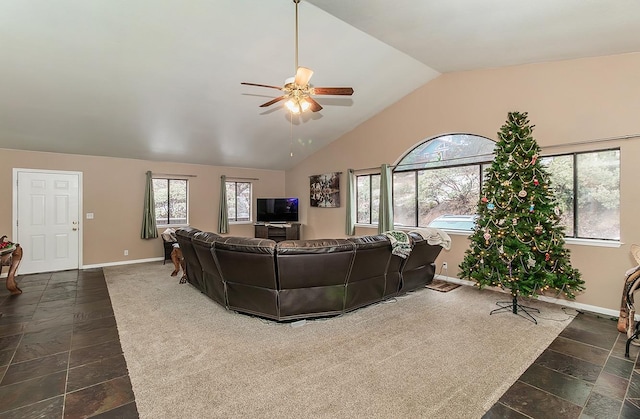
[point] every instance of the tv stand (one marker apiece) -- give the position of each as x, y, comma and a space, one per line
278, 232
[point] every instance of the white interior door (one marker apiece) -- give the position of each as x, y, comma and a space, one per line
47, 219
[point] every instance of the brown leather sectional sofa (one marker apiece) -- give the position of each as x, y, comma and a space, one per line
298, 279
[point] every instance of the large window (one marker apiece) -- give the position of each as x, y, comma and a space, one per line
238, 201
594, 211
170, 196
438, 184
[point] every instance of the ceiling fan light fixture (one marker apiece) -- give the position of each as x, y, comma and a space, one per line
292, 106
296, 105
304, 105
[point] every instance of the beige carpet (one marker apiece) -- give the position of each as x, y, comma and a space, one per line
429, 354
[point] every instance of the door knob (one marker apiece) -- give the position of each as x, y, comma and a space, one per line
74, 229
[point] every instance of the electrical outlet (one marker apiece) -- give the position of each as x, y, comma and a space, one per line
444, 265
126, 253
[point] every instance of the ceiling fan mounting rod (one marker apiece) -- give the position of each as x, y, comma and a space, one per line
296, 46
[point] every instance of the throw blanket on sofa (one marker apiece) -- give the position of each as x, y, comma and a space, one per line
400, 243
434, 236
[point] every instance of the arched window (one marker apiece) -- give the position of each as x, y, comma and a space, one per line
438, 182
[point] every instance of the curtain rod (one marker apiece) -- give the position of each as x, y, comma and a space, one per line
329, 173
172, 175
241, 178
598, 140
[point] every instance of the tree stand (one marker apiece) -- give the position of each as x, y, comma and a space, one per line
513, 306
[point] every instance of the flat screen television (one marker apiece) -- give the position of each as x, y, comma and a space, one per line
277, 210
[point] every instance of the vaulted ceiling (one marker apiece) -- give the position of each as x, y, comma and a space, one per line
160, 80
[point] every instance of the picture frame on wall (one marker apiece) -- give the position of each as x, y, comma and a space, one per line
325, 190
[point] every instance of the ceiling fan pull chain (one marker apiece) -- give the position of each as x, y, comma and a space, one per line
291, 132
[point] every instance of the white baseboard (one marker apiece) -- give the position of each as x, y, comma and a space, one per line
97, 265
559, 301
122, 262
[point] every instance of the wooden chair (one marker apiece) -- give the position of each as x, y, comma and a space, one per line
11, 257
626, 321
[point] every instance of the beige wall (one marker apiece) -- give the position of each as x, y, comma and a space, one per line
113, 189
568, 102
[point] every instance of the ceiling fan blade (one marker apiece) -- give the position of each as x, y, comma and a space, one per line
303, 75
272, 101
315, 106
262, 85
346, 91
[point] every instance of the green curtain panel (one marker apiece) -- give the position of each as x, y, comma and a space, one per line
223, 217
350, 226
149, 229
385, 214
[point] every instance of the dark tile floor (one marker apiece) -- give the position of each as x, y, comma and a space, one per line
60, 353
582, 374
60, 357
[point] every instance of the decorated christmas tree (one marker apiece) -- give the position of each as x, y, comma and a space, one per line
518, 243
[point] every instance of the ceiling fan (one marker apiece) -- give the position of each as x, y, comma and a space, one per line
297, 91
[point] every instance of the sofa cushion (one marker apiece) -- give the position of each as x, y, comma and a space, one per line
368, 281
248, 269
312, 276
318, 262
194, 268
247, 261
213, 286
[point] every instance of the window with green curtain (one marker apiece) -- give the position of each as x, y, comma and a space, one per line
171, 206
238, 201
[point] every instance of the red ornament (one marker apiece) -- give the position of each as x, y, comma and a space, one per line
536, 182
547, 256
484, 199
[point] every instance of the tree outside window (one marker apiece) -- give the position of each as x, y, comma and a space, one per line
594, 211
170, 196
562, 181
440, 178
238, 201
368, 198
404, 199
447, 191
